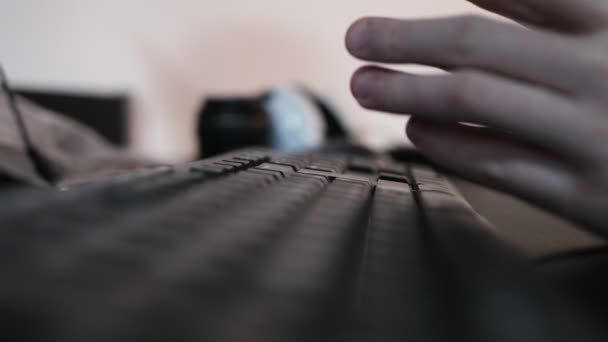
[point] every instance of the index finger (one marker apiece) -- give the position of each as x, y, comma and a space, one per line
474, 42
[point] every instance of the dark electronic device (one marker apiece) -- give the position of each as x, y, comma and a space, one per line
229, 123
290, 119
107, 114
255, 245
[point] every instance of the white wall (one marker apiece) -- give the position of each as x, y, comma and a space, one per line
169, 54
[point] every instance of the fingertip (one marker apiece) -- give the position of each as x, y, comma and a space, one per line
417, 130
360, 85
358, 37
367, 84
436, 140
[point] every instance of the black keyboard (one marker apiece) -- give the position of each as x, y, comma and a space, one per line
252, 246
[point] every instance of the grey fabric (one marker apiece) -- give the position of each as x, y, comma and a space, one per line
72, 150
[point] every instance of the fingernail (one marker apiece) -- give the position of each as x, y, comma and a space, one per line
357, 37
362, 86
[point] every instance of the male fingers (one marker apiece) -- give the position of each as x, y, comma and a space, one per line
534, 114
563, 15
483, 157
473, 42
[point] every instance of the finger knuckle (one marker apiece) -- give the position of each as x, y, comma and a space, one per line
467, 33
595, 133
595, 65
465, 91
395, 41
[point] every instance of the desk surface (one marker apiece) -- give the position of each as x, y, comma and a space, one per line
536, 232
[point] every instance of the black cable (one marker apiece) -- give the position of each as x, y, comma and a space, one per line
40, 165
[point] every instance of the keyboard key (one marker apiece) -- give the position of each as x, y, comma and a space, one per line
364, 165
281, 169
212, 169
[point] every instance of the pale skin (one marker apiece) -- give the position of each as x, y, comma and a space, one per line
540, 89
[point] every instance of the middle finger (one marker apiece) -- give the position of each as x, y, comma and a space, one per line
531, 113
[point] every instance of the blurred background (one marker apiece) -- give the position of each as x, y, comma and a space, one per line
155, 61
168, 55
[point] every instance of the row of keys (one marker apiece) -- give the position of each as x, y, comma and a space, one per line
229, 163
304, 290
376, 166
393, 270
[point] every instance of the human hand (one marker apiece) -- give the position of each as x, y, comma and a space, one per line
540, 91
